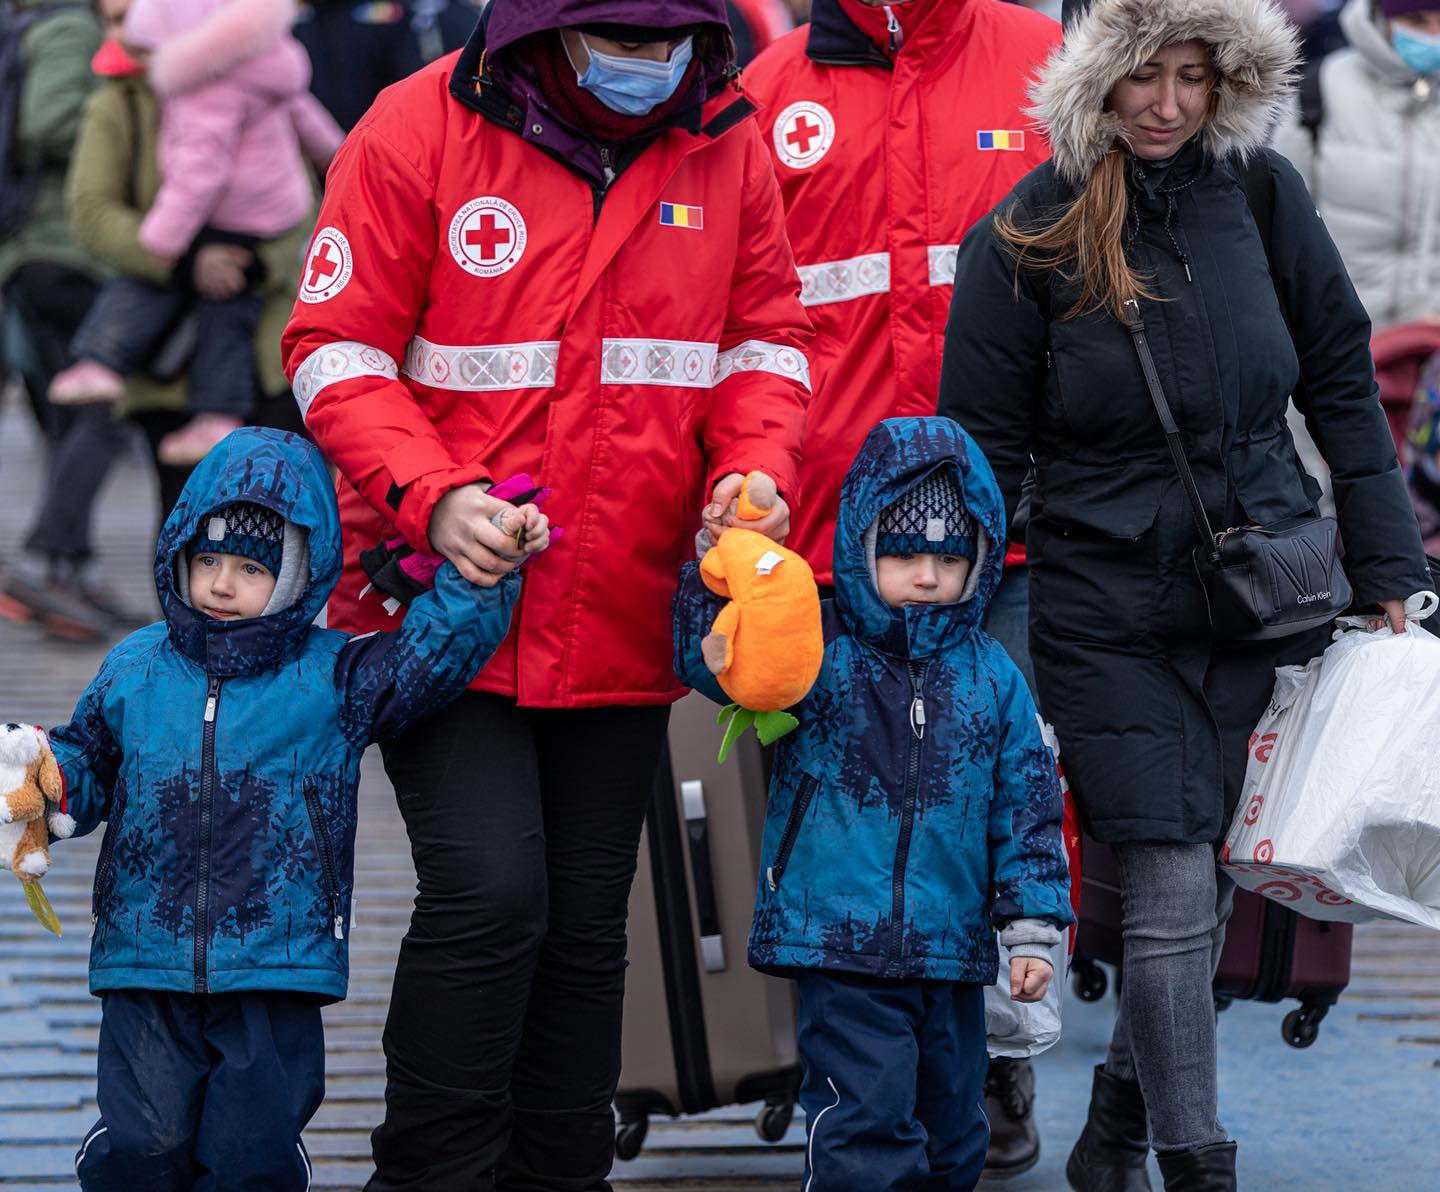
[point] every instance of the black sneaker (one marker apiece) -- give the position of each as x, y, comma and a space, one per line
1009, 1102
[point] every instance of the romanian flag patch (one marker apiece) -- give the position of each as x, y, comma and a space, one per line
1000, 138
678, 215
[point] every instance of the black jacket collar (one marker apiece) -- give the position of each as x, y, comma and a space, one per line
835, 40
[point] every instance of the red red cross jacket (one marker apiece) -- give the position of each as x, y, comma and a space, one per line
469, 310
885, 161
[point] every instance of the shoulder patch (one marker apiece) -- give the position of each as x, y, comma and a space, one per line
328, 266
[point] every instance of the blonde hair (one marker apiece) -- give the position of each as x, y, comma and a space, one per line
1086, 245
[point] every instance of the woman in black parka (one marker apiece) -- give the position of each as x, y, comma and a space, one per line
1156, 110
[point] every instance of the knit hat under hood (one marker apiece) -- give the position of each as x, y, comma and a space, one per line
242, 528
930, 519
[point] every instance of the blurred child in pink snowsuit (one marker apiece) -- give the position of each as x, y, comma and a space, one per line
237, 123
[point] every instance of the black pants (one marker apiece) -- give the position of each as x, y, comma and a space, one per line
502, 1046
130, 317
50, 302
204, 1092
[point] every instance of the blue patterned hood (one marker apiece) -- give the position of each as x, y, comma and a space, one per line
895, 456
284, 473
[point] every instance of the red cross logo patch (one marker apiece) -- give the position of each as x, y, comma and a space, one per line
803, 134
328, 266
487, 236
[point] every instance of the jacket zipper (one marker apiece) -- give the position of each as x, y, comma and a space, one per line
207, 827
775, 872
103, 877
327, 856
917, 672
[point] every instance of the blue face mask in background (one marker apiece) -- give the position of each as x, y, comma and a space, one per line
635, 86
1419, 51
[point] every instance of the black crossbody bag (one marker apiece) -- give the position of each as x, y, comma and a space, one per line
1261, 581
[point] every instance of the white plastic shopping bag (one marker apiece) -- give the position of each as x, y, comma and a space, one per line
1340, 811
1018, 1030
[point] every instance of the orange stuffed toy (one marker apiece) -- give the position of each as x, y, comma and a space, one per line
766, 645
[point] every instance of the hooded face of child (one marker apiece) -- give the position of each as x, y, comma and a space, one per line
1164, 101
921, 578
229, 587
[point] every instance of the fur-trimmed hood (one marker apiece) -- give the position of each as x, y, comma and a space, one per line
198, 41
1256, 52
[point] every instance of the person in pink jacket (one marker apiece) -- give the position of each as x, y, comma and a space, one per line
236, 123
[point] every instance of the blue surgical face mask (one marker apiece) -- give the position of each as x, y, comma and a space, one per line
634, 86
1419, 51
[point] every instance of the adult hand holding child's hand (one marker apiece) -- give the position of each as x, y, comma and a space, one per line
763, 499
464, 529
1029, 978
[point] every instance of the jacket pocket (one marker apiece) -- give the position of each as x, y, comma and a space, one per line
1269, 481
1111, 498
776, 870
326, 848
105, 867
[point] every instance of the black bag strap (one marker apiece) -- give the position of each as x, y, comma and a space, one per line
1136, 326
1258, 183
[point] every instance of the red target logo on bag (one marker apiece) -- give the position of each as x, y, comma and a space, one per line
1261, 747
1252, 813
1328, 897
1265, 852
1280, 891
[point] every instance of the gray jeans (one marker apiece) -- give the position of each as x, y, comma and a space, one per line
1175, 906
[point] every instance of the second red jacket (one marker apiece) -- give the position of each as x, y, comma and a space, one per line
885, 161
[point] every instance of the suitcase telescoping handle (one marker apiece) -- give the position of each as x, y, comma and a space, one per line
697, 831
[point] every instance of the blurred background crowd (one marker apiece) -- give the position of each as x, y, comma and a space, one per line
130, 324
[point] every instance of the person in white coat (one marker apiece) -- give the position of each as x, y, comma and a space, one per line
1373, 160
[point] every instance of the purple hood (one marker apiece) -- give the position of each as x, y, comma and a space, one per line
510, 20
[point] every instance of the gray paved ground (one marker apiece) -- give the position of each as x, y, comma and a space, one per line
1357, 1110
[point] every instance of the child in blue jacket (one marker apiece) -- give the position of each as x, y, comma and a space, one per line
914, 811
222, 747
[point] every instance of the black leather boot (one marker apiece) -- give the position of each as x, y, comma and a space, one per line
1110, 1154
1204, 1169
1009, 1099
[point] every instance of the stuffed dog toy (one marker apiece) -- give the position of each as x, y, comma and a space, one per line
32, 797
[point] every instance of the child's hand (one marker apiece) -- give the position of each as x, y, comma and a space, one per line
1029, 978
526, 527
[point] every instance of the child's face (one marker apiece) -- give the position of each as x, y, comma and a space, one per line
921, 579
229, 587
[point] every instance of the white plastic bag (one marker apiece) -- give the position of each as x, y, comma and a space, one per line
1019, 1030
1339, 815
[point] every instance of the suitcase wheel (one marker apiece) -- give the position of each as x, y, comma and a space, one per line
774, 1120
1090, 980
1302, 1027
630, 1137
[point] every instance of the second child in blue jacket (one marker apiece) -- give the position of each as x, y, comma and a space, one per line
222, 746
915, 811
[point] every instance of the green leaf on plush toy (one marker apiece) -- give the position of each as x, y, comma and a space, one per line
742, 719
726, 712
40, 907
771, 726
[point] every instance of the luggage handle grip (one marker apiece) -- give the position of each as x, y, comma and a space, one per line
697, 832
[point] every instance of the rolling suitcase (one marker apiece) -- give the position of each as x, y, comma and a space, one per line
702, 1029
1271, 954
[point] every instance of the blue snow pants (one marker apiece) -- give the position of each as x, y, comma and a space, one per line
894, 1085
204, 1091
